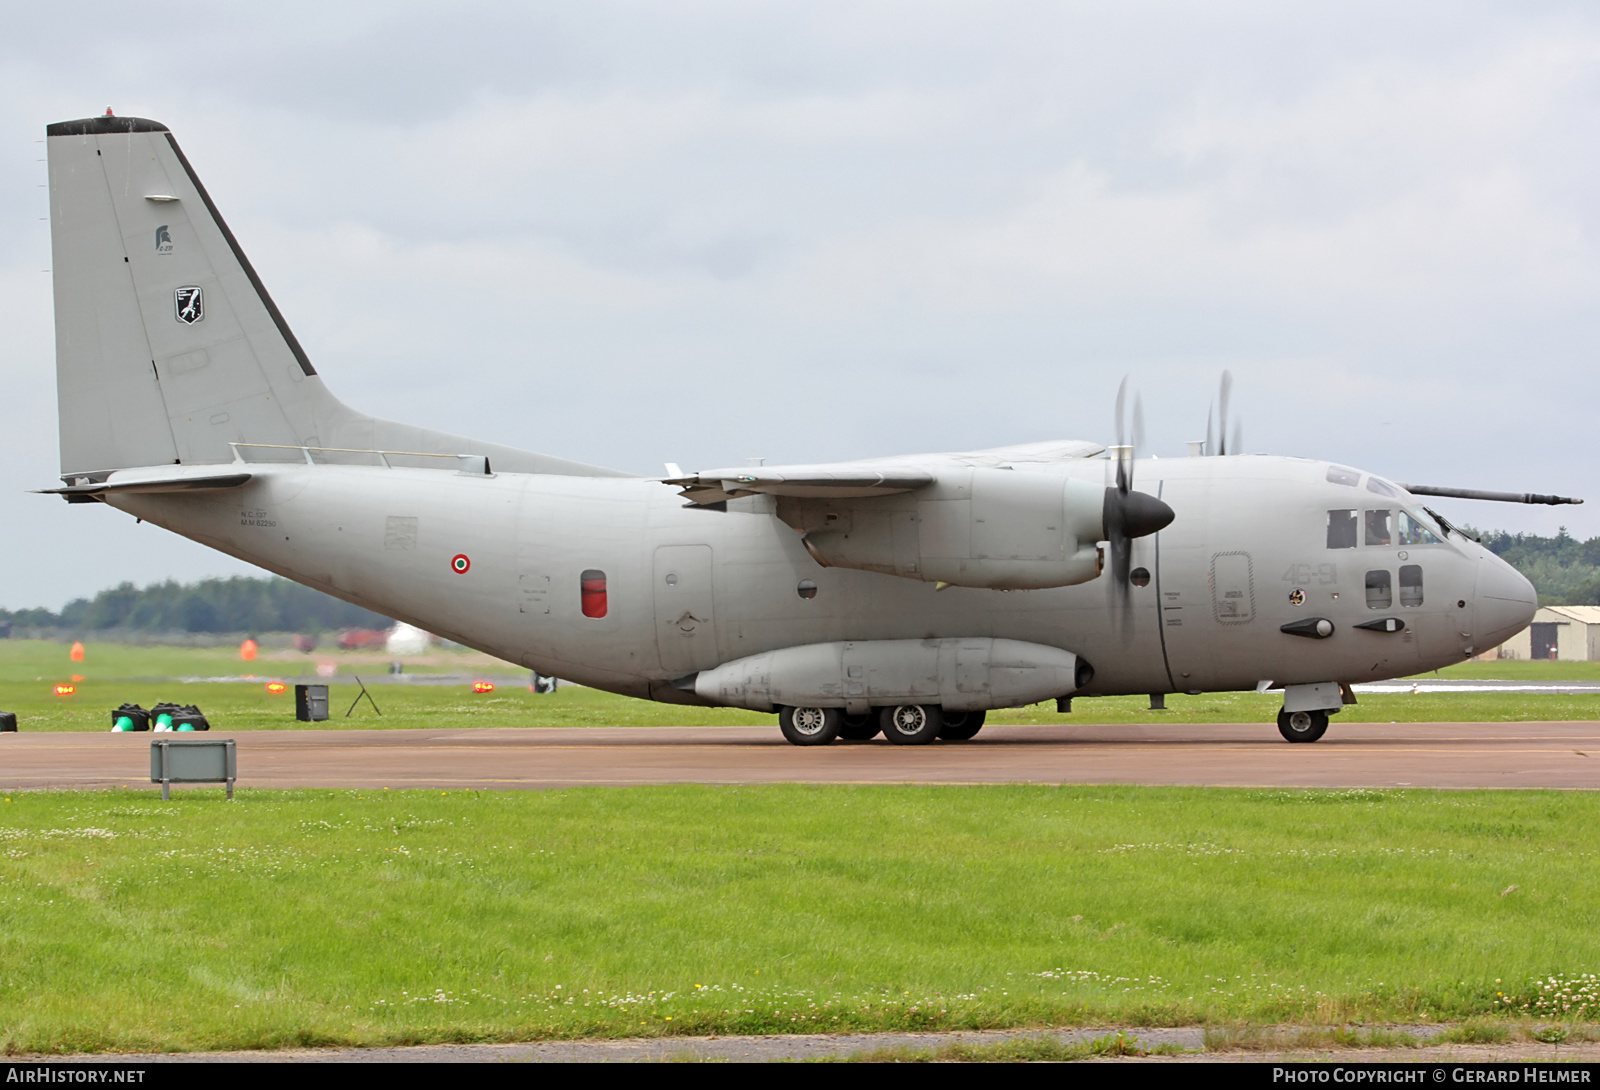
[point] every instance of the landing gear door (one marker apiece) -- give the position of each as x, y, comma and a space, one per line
686, 634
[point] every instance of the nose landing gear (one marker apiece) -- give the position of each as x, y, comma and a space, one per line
1302, 726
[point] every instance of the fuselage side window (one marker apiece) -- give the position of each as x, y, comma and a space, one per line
592, 592
1378, 527
1380, 591
1413, 532
1410, 584
1341, 529
1343, 475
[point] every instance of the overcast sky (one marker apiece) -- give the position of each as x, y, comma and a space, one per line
629, 233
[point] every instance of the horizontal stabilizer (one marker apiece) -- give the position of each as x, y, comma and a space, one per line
158, 479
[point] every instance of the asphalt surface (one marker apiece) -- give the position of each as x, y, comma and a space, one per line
1453, 755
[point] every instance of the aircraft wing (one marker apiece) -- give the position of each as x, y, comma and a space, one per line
868, 477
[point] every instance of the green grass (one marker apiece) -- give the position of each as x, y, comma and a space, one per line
1040, 1049
1284, 1039
248, 706
115, 673
1522, 670
1476, 1031
328, 917
47, 660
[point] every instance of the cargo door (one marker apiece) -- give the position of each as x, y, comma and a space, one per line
686, 635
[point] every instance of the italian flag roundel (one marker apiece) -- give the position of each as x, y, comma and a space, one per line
460, 564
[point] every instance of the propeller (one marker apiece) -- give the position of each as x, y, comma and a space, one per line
1128, 514
1219, 442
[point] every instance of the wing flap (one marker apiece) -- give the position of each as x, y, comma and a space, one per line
866, 478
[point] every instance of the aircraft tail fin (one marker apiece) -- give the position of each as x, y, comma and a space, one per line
168, 347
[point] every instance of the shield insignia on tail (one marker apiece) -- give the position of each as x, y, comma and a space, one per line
190, 305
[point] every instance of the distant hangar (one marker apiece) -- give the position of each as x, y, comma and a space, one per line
1567, 633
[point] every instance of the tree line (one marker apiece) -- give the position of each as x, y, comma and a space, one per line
1564, 570
240, 604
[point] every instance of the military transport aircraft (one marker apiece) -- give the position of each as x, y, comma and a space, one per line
904, 595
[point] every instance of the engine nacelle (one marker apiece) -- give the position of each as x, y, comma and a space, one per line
993, 528
959, 674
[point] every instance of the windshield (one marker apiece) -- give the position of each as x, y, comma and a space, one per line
1415, 530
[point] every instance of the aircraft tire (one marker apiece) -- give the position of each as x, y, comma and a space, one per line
859, 728
1302, 726
911, 724
809, 726
961, 726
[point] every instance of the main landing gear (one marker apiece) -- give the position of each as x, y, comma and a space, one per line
1302, 726
904, 725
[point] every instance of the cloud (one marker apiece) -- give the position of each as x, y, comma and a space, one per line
811, 231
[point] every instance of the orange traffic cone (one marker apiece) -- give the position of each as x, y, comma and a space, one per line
76, 653
247, 650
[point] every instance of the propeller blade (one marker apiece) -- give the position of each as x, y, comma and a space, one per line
1124, 469
1211, 443
1223, 398
1122, 398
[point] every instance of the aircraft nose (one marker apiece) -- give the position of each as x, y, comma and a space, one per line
1506, 602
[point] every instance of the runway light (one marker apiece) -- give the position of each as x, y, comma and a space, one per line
66, 690
483, 686
277, 688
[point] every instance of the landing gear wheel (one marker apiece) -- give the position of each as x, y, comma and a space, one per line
809, 726
1302, 726
912, 724
859, 728
960, 726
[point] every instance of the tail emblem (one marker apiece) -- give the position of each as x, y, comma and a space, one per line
191, 306
163, 240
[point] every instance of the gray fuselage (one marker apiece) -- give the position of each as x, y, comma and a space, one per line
680, 589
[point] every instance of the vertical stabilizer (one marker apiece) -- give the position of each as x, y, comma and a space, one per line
168, 347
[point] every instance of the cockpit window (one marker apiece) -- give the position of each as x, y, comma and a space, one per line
1414, 532
1378, 527
1342, 475
1341, 529
1382, 487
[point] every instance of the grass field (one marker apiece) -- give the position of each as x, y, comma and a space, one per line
114, 673
321, 917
